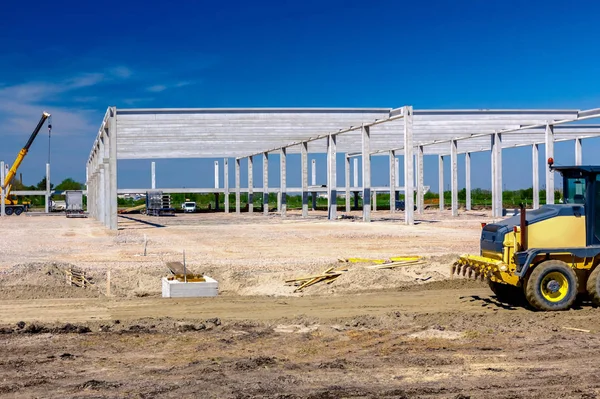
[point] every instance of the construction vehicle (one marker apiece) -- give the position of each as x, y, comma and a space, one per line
548, 255
74, 204
158, 204
10, 203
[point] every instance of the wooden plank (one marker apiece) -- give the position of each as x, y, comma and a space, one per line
177, 268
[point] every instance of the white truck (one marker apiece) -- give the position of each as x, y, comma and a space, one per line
189, 207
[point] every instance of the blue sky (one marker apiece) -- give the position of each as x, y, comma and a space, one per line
75, 58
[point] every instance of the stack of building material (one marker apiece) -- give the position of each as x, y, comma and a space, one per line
329, 276
76, 277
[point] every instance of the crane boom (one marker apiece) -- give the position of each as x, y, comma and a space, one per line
15, 166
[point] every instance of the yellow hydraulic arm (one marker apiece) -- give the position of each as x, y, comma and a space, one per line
13, 169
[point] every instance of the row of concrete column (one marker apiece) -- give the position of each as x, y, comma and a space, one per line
47, 193
101, 173
496, 163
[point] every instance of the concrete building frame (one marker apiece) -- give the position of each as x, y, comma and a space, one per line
356, 132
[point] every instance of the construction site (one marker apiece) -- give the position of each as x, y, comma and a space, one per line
409, 300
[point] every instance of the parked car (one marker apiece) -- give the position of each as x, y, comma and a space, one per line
189, 206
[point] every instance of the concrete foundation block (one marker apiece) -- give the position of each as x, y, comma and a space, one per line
179, 289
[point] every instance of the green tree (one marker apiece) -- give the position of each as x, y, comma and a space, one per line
68, 184
42, 185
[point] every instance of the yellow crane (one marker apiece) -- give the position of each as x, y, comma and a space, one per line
11, 204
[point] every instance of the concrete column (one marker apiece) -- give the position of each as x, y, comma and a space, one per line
217, 185
48, 190
420, 181
454, 176
216, 174
332, 177
226, 183
392, 181
535, 168
112, 162
266, 183
366, 172
549, 173
409, 166
283, 181
441, 181
2, 192
578, 154
468, 179
238, 199
374, 201
250, 185
347, 182
496, 175
153, 169
304, 167
314, 183
355, 182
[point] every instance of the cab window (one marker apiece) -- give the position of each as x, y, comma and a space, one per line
575, 190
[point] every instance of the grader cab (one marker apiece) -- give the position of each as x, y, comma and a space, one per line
548, 255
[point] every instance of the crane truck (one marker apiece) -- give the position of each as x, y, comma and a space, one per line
10, 203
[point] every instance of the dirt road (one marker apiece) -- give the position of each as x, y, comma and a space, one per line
422, 343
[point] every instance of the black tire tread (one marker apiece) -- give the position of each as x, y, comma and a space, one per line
535, 298
592, 286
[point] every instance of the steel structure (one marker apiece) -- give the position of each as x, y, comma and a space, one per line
362, 132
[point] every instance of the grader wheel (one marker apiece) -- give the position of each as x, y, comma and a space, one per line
552, 285
593, 286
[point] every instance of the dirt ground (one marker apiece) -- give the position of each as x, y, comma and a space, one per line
409, 332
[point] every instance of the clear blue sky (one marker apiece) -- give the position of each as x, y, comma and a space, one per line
75, 58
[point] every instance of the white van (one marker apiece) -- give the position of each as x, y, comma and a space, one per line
189, 207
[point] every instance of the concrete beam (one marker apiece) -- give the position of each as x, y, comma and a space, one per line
265, 183
549, 173
535, 168
409, 166
454, 176
366, 172
304, 167
468, 179
283, 180
332, 176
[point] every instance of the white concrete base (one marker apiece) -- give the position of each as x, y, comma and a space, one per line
178, 289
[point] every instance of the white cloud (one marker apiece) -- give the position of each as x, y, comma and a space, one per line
157, 88
121, 72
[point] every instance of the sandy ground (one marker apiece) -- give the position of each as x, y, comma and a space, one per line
410, 332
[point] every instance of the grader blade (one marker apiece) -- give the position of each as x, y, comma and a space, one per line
477, 267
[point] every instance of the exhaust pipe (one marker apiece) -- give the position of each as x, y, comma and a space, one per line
523, 227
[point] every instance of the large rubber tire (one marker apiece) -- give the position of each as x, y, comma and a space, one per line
8, 211
507, 293
18, 211
593, 286
552, 285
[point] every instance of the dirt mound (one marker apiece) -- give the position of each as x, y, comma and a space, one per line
41, 281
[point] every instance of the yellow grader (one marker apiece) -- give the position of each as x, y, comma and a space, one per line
548, 255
